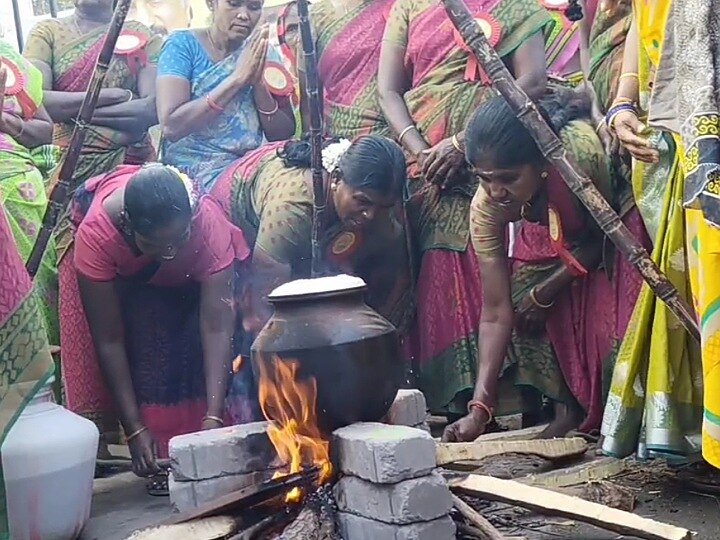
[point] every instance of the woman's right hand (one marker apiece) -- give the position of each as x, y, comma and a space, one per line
251, 63
143, 452
629, 128
468, 428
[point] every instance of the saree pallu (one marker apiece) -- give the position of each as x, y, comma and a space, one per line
22, 189
655, 401
444, 349
348, 49
607, 46
562, 46
24, 353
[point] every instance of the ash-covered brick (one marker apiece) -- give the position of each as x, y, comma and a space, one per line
189, 495
382, 453
354, 527
410, 501
221, 452
408, 409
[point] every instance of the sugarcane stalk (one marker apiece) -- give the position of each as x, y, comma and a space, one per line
554, 151
59, 195
312, 89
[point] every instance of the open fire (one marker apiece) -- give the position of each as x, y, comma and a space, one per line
289, 404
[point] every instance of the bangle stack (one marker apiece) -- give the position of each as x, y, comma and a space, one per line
618, 106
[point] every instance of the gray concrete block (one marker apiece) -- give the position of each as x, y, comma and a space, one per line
382, 453
410, 501
189, 495
354, 527
220, 452
408, 409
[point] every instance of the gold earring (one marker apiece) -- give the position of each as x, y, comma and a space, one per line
544, 175
333, 186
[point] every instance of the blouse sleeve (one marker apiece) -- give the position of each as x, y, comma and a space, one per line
487, 227
398, 23
39, 45
286, 223
585, 147
90, 256
176, 56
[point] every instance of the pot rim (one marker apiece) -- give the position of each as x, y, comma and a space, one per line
287, 298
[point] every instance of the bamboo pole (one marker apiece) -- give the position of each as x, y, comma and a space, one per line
312, 88
554, 151
59, 194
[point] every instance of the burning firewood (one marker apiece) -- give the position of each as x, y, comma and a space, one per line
316, 520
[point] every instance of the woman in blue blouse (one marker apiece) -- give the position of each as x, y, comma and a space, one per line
213, 101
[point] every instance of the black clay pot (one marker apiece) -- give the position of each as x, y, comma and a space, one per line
351, 351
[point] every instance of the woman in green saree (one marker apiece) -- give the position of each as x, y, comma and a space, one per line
428, 84
25, 158
65, 51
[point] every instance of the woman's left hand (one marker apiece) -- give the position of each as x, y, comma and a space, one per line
443, 164
529, 317
260, 54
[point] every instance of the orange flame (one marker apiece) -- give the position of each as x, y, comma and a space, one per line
289, 403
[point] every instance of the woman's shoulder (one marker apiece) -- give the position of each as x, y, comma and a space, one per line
49, 29
186, 38
581, 140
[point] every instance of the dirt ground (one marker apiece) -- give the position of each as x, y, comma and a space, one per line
121, 505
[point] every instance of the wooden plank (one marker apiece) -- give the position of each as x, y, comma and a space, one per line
550, 503
525, 434
592, 471
552, 449
212, 528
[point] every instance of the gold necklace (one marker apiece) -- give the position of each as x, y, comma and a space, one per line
212, 42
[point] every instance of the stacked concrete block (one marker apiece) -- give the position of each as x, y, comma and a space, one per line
408, 409
209, 464
389, 489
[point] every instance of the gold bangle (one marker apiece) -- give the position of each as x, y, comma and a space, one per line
456, 144
269, 113
477, 404
214, 418
405, 132
135, 434
535, 301
629, 75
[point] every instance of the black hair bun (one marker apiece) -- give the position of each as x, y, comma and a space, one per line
574, 11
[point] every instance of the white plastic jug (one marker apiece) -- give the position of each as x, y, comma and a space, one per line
48, 462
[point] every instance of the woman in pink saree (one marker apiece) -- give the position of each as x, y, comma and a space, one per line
348, 37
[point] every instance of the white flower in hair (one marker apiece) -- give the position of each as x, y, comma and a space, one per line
189, 187
332, 153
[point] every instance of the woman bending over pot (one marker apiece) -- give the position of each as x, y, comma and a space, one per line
268, 194
153, 264
553, 316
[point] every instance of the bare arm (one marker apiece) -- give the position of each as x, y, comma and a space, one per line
102, 308
393, 82
179, 115
216, 329
65, 106
280, 125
